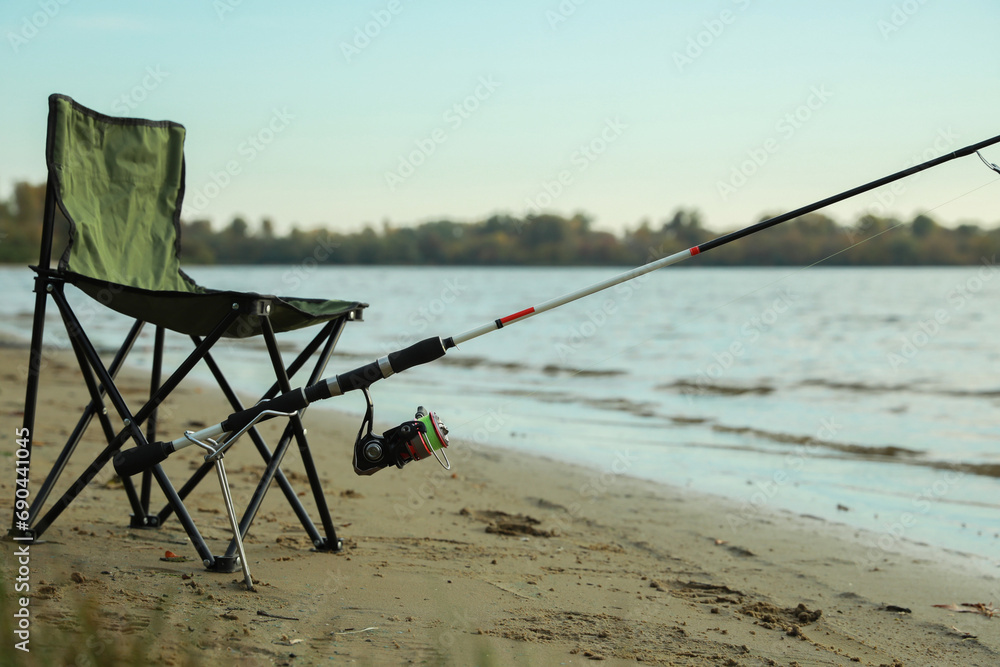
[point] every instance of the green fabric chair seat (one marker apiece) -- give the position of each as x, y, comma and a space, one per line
197, 313
120, 183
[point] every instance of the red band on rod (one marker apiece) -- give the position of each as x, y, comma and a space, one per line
515, 316
694, 251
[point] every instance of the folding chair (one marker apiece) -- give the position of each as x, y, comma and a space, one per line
119, 183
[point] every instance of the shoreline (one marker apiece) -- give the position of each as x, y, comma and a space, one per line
506, 558
722, 442
917, 548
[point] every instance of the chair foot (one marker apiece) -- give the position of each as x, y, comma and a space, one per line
148, 521
324, 544
224, 564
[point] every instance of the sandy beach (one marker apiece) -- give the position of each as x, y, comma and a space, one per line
504, 560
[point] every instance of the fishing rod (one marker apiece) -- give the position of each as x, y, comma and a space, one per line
426, 435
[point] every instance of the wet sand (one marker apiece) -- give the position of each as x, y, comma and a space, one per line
506, 559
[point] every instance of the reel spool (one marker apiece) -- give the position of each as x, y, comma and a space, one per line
413, 440
430, 436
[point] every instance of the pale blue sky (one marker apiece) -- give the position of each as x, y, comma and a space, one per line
887, 81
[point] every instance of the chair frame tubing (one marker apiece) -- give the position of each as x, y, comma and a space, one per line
330, 334
100, 382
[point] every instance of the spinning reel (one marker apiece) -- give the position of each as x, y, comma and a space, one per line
414, 440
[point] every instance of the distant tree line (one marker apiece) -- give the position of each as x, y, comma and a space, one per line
543, 240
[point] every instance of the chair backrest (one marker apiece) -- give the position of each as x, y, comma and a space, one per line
120, 183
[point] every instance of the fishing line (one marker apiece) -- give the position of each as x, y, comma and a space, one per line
426, 435
799, 270
699, 316
853, 245
705, 313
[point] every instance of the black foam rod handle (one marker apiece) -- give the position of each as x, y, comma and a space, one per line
292, 401
360, 377
422, 352
426, 350
130, 462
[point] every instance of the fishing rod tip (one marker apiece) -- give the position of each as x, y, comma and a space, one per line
988, 163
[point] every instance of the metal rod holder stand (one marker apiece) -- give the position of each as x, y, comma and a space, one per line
220, 468
216, 454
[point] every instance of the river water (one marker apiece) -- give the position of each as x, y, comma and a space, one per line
867, 396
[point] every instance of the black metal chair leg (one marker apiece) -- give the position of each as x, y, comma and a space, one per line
250, 513
92, 409
154, 386
265, 452
332, 542
294, 429
18, 527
